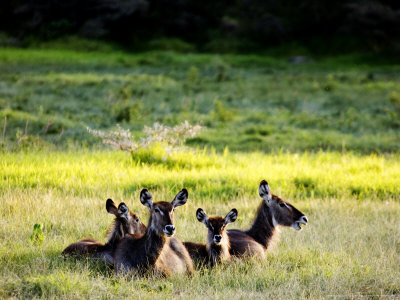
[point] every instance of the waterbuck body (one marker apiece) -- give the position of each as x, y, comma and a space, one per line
218, 245
125, 223
273, 211
198, 252
156, 250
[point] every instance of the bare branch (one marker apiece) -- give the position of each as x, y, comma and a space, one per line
4, 129
61, 134
25, 134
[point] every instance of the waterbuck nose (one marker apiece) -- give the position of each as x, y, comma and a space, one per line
303, 219
170, 229
217, 238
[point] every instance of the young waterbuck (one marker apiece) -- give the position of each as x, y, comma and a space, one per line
218, 244
125, 223
156, 250
273, 211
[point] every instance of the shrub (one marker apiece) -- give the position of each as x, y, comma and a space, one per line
172, 138
37, 236
394, 99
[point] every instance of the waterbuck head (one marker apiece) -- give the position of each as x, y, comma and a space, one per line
125, 221
162, 213
282, 212
216, 225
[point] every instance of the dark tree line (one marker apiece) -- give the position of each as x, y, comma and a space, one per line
242, 23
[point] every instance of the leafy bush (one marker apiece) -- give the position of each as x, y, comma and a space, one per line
221, 112
192, 76
394, 99
37, 236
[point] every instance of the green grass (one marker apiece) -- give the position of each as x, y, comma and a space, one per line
325, 136
247, 102
350, 247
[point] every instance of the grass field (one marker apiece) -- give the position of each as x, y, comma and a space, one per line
325, 136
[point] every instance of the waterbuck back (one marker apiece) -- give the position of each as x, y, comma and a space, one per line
272, 212
125, 223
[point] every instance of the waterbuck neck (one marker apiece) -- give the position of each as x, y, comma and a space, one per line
218, 252
263, 228
217, 249
154, 243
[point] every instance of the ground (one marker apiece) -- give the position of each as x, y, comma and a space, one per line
324, 134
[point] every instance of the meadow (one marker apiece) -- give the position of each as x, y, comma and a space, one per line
324, 134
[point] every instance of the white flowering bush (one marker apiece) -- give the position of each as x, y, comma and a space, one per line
171, 138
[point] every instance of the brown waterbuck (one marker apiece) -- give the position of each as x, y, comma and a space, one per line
125, 223
218, 245
156, 250
273, 211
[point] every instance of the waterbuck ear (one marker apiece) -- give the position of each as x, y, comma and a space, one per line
146, 199
123, 210
231, 216
265, 192
111, 208
202, 216
180, 198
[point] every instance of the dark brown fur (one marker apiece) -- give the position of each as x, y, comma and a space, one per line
273, 211
198, 252
218, 244
125, 223
156, 249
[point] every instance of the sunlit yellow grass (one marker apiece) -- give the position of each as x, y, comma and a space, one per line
206, 175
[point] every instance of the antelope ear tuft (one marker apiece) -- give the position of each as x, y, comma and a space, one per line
146, 199
123, 210
202, 216
265, 192
231, 216
180, 198
111, 208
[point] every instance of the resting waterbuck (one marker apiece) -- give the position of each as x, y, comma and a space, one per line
218, 244
156, 250
273, 211
125, 223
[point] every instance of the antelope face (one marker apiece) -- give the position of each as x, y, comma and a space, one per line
128, 221
162, 213
216, 225
283, 213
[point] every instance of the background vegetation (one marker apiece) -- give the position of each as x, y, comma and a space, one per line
324, 133
247, 102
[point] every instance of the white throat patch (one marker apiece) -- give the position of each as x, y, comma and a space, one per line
274, 222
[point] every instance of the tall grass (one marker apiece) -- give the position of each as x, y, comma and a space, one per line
207, 174
349, 249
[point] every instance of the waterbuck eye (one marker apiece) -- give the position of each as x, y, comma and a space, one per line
282, 204
157, 210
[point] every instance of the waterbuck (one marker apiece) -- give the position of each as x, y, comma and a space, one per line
125, 223
273, 211
156, 250
218, 245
